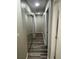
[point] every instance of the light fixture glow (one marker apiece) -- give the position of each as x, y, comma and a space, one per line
38, 13
37, 4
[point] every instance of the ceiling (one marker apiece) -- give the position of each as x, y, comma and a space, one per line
35, 9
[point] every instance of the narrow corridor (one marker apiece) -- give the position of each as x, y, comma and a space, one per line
38, 50
38, 29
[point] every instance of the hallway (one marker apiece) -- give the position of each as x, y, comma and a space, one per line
38, 29
38, 50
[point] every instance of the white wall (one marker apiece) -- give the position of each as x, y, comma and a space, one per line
23, 22
45, 23
21, 35
58, 47
39, 25
29, 23
53, 33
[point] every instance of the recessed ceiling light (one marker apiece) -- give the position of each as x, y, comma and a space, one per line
37, 4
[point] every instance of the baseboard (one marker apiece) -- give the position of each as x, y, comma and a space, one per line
27, 56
